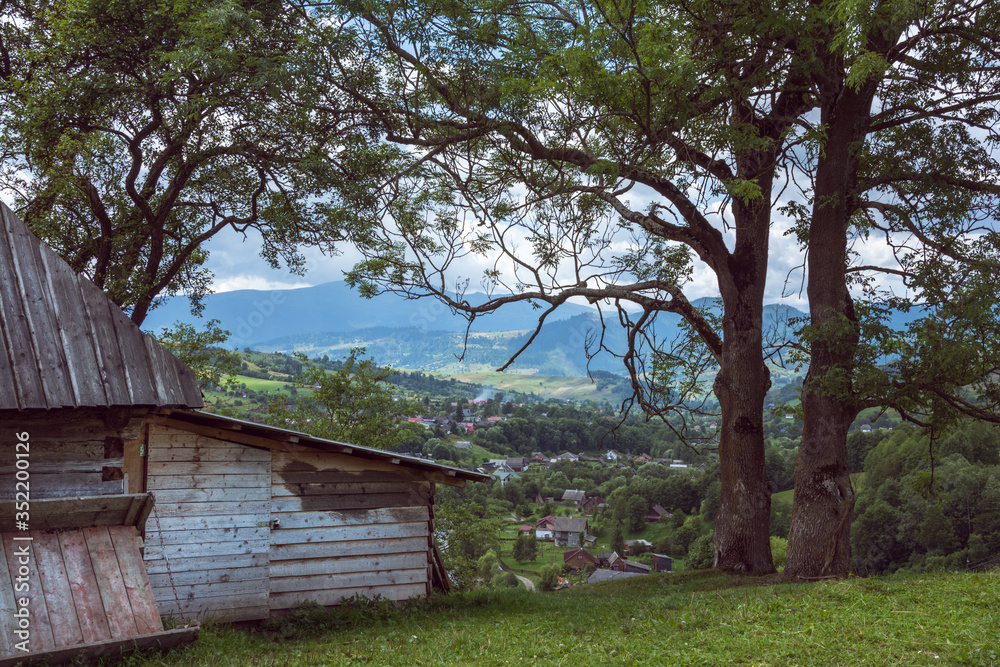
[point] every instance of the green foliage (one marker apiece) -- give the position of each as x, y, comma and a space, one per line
526, 548
779, 552
212, 365
126, 153
701, 553
353, 404
618, 540
465, 533
549, 579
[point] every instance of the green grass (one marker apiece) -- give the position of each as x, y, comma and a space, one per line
699, 618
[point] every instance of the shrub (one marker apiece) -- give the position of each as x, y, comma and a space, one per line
701, 553
550, 576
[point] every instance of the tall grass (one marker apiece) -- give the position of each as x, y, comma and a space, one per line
701, 618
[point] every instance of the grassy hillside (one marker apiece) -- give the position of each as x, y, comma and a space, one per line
701, 618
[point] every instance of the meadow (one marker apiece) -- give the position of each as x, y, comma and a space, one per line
695, 618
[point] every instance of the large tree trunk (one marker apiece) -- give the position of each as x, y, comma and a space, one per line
742, 524
819, 536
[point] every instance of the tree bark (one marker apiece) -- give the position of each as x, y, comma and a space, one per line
819, 536
742, 525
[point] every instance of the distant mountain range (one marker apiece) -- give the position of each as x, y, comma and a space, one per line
422, 334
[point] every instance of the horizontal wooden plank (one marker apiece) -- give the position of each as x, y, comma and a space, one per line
172, 551
73, 487
55, 513
243, 562
332, 597
218, 606
160, 454
224, 481
211, 495
368, 563
221, 610
373, 547
348, 533
195, 522
212, 590
206, 536
218, 576
357, 517
349, 580
319, 503
174, 468
46, 466
165, 509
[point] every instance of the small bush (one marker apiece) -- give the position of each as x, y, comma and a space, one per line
701, 553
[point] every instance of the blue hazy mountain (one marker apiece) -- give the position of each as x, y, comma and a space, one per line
256, 316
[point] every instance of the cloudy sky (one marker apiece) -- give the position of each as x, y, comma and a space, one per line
237, 265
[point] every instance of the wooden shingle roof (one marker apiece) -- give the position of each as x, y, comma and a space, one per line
66, 345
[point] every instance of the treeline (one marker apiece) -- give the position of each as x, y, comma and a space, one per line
925, 505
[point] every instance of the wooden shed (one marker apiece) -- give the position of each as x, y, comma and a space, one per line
77, 379
252, 520
245, 520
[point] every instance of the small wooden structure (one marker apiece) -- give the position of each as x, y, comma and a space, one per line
76, 379
248, 520
252, 520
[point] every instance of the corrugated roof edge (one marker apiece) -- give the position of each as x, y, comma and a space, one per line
203, 418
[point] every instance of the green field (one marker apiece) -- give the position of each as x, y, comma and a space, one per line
696, 618
550, 386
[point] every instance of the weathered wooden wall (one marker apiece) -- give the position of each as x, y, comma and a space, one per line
240, 531
207, 539
70, 452
342, 529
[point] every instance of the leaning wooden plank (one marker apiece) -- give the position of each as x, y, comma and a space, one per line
367, 563
382, 515
112, 648
206, 536
348, 533
137, 585
248, 562
216, 576
58, 594
110, 582
83, 582
333, 597
27, 585
8, 606
384, 546
388, 578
